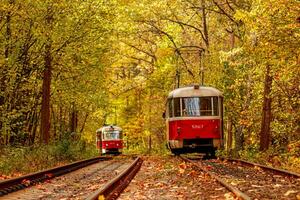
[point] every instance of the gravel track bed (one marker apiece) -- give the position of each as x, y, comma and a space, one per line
253, 181
76, 185
169, 178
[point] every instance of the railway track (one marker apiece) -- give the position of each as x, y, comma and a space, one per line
90, 182
114, 188
14, 184
250, 180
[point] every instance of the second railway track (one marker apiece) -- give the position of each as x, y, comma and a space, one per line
251, 181
84, 182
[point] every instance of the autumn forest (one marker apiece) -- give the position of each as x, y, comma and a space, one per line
68, 67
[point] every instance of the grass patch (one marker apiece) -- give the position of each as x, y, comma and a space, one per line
288, 159
15, 161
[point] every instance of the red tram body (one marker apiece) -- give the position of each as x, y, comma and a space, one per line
109, 140
194, 117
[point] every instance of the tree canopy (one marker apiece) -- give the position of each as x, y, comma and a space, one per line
68, 67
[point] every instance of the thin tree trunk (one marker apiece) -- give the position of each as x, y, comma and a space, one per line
204, 24
60, 120
84, 121
150, 122
54, 121
266, 112
232, 40
229, 135
73, 119
239, 138
45, 111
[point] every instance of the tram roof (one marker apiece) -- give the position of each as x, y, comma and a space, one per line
194, 91
108, 127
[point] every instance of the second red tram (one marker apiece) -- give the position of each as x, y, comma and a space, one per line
194, 117
109, 140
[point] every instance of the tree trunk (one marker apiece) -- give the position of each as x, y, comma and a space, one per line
204, 24
84, 121
73, 119
54, 121
150, 121
229, 135
266, 112
45, 111
239, 139
232, 40
150, 143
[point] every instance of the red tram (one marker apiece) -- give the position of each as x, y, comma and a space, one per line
194, 117
109, 140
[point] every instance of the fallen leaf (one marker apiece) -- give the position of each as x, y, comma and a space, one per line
49, 175
257, 186
228, 196
290, 192
26, 182
277, 185
182, 166
181, 171
257, 168
192, 173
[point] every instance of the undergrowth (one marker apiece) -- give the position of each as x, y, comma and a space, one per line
288, 158
22, 160
157, 149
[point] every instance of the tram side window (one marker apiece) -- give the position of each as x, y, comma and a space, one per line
215, 106
170, 104
177, 112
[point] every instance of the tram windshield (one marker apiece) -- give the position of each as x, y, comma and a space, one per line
194, 106
112, 135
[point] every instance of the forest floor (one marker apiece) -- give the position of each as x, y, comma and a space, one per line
167, 177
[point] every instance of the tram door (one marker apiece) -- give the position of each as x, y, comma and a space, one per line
99, 141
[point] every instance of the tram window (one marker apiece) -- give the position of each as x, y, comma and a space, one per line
206, 106
112, 135
203, 106
170, 104
177, 112
215, 106
190, 106
209, 106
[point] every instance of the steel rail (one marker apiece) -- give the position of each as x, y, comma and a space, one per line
113, 189
264, 167
234, 190
14, 184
